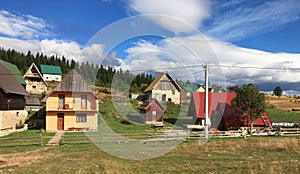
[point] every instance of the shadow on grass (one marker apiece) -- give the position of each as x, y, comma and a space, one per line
179, 122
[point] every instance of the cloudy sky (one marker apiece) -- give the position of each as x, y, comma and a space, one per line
243, 41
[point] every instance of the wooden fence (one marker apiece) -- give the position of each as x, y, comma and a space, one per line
289, 131
69, 138
144, 137
23, 141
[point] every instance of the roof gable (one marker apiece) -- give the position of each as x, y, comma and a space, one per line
72, 82
14, 71
33, 71
148, 103
163, 82
49, 69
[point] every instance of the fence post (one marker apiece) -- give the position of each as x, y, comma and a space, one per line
41, 139
63, 139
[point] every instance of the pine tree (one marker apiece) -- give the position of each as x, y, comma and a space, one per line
278, 91
249, 103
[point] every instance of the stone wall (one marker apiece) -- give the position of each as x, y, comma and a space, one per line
9, 119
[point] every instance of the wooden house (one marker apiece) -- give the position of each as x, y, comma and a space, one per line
152, 112
12, 96
34, 80
33, 102
51, 73
220, 112
164, 88
71, 105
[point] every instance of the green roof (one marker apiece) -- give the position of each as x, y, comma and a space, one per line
49, 69
191, 88
14, 70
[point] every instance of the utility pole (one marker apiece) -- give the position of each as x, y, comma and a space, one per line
207, 122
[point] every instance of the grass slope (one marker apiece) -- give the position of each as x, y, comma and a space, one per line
254, 155
279, 116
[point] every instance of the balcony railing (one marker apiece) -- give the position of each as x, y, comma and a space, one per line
70, 106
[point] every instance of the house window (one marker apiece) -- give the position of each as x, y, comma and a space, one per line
81, 118
83, 102
61, 102
173, 92
154, 113
163, 97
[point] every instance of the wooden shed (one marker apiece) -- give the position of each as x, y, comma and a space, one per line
152, 112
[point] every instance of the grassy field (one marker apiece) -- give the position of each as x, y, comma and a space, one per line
287, 103
279, 116
283, 109
253, 155
233, 155
113, 119
30, 136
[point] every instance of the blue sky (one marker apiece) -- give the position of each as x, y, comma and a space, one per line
79, 20
239, 32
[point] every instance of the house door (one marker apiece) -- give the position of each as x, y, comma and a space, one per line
60, 121
154, 115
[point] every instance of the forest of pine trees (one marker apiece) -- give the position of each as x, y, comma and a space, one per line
93, 74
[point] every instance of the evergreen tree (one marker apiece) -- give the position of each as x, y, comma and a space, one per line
250, 103
278, 91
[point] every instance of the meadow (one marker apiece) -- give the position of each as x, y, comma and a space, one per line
238, 155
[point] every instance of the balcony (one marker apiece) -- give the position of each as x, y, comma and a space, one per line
54, 106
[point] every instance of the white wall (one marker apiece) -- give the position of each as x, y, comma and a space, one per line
10, 118
52, 77
158, 95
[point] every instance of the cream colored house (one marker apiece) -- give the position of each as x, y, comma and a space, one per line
164, 88
35, 84
72, 105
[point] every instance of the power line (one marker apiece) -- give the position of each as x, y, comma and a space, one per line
190, 74
255, 67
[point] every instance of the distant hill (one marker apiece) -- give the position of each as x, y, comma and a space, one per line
286, 103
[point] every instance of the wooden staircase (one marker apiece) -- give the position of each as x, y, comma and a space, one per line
266, 121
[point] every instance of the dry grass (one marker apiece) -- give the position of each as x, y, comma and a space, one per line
284, 102
253, 155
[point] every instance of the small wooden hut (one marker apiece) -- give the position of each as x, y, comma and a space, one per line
152, 112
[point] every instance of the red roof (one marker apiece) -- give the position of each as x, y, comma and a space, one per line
222, 102
259, 121
213, 98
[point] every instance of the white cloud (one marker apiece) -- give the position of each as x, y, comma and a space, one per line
191, 12
171, 53
22, 26
235, 20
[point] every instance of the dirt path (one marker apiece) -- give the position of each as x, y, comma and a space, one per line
25, 158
